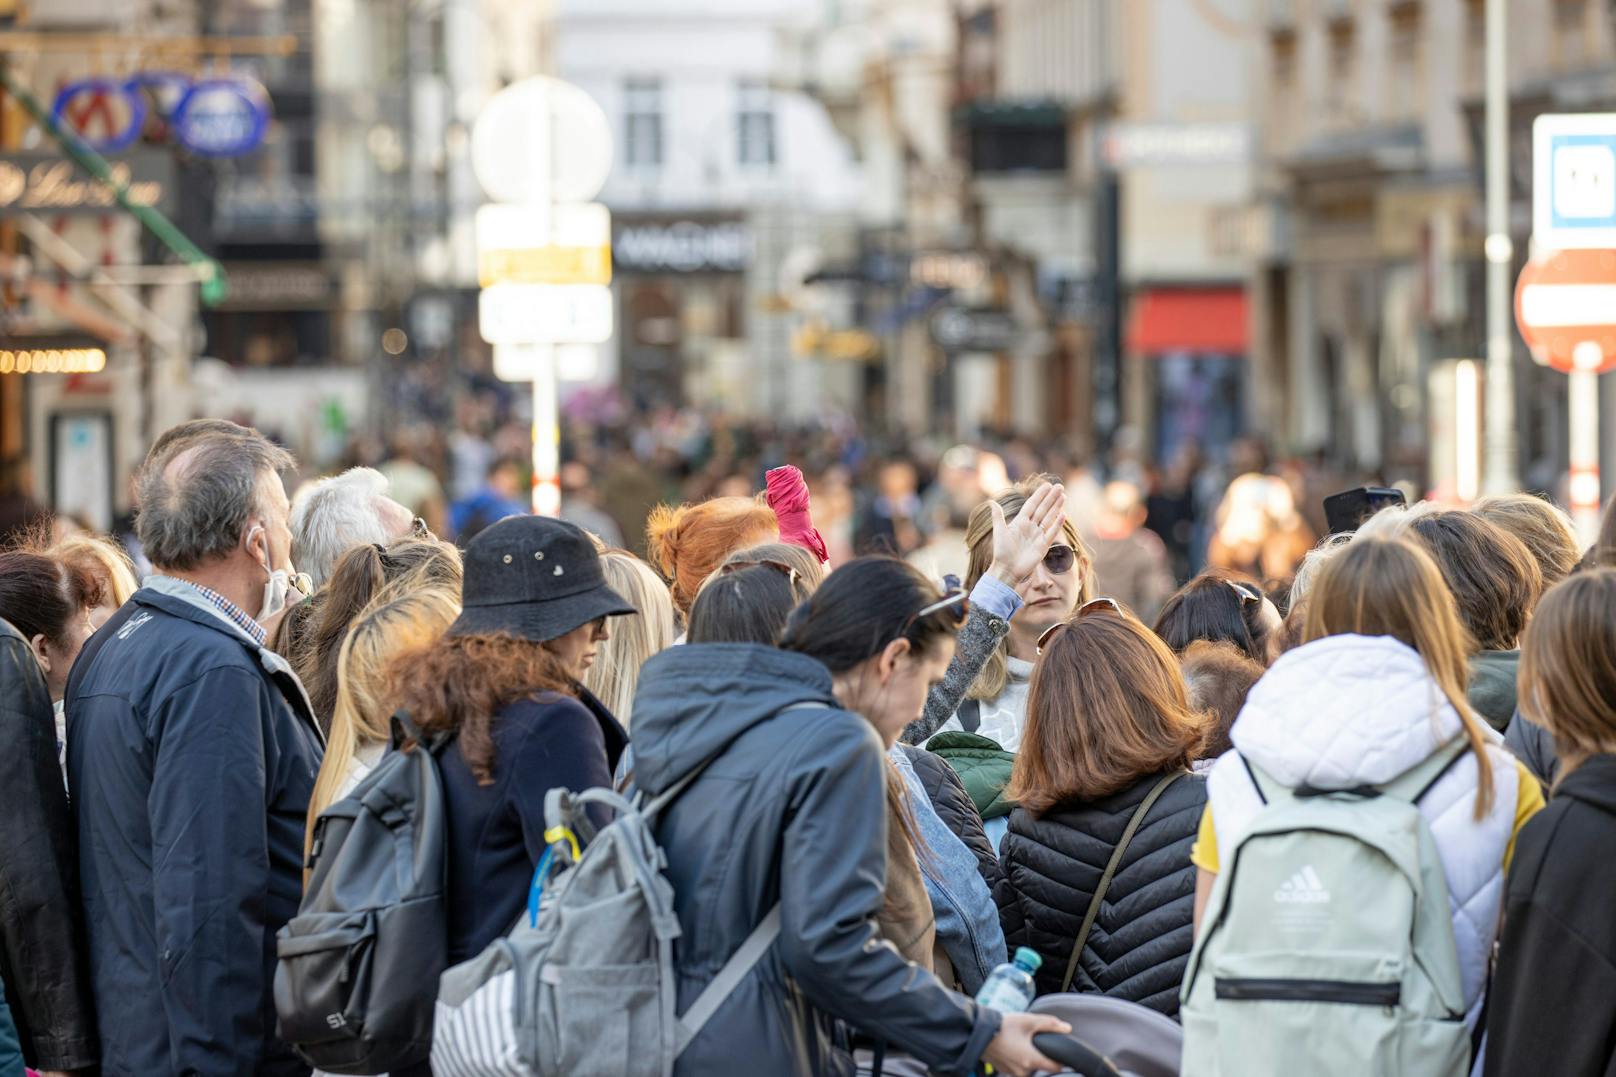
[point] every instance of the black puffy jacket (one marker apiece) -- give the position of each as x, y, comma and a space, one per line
1140, 943
955, 808
43, 953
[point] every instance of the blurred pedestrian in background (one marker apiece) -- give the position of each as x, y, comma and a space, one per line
500, 495
1131, 563
580, 504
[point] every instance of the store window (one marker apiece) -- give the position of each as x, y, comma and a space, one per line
642, 121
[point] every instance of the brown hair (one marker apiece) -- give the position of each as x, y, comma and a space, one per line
101, 558
1380, 586
1543, 527
365, 574
1491, 573
1106, 707
687, 543
1217, 678
1604, 550
809, 573
1568, 667
995, 674
459, 683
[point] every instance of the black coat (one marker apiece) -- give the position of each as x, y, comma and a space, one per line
792, 809
956, 809
1550, 1010
42, 950
1140, 943
191, 753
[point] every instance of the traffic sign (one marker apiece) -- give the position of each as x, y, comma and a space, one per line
542, 244
1574, 181
545, 314
541, 140
1565, 307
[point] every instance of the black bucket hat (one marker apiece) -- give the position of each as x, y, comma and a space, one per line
534, 577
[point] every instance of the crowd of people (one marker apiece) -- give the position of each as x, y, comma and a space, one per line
1012, 729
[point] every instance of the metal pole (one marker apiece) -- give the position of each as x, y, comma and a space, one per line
546, 435
1500, 471
1584, 408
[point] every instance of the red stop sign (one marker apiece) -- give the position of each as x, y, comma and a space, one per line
1565, 306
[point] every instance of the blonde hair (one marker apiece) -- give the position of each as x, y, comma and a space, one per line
1392, 587
1544, 527
995, 674
1568, 667
366, 697
101, 558
616, 672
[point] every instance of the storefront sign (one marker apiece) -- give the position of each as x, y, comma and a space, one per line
964, 329
47, 183
682, 246
53, 361
260, 286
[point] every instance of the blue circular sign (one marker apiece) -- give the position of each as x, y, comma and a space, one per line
222, 117
106, 104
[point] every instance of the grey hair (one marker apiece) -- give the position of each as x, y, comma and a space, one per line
195, 500
332, 516
1314, 562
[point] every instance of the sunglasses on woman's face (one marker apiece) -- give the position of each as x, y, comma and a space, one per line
1060, 559
1110, 605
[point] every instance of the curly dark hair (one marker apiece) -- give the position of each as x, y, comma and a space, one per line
458, 684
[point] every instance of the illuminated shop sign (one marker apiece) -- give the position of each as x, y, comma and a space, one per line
53, 361
45, 183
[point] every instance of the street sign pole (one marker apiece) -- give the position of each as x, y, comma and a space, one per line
1499, 474
1584, 408
546, 437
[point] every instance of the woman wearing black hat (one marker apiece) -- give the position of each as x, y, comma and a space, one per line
505, 681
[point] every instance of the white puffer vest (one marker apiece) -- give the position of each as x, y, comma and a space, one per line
1360, 710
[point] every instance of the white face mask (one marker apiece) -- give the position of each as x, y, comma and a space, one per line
281, 584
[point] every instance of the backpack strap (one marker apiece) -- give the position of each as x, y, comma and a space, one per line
735, 970
1420, 779
970, 715
1115, 862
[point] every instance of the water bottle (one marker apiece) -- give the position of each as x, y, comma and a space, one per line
1010, 989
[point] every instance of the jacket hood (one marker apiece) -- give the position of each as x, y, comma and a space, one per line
1593, 782
1344, 711
693, 701
1492, 685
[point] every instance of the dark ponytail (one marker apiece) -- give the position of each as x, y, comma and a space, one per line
862, 607
749, 605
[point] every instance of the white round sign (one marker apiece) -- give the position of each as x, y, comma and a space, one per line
541, 140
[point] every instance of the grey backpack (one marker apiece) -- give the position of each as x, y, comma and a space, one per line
1327, 945
583, 986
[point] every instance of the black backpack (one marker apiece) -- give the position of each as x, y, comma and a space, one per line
359, 964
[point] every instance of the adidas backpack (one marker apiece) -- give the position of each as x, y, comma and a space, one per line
584, 984
1327, 944
358, 964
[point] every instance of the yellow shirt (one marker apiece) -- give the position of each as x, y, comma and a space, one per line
1528, 802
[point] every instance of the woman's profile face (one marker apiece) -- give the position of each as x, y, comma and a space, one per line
577, 649
899, 697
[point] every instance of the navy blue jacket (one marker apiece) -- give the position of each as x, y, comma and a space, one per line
191, 753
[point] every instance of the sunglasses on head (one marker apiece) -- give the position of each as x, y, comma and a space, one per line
420, 530
779, 566
1246, 591
1110, 605
954, 598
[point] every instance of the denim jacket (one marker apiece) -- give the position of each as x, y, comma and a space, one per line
967, 919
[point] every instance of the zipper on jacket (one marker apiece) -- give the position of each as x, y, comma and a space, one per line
1349, 992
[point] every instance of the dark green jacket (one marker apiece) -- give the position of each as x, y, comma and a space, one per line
982, 765
1492, 686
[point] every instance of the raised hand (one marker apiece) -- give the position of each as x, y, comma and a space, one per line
1019, 545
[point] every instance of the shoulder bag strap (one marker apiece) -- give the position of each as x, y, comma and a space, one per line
1134, 823
735, 970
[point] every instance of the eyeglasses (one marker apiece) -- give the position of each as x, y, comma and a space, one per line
1060, 559
419, 529
788, 571
1083, 611
953, 595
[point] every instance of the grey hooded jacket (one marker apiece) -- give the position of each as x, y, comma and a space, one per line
791, 810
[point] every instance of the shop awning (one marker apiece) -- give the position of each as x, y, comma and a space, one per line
1189, 320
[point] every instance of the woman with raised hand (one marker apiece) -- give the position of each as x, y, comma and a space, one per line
797, 734
1557, 962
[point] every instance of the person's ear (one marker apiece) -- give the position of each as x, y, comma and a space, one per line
256, 541
41, 652
891, 654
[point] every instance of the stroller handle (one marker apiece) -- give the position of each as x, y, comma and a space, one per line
1074, 1054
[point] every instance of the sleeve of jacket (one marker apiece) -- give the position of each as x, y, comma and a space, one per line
977, 641
1539, 1009
954, 806
44, 958
832, 879
211, 869
1011, 916
1533, 746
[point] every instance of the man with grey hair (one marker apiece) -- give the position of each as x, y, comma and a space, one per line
332, 516
192, 753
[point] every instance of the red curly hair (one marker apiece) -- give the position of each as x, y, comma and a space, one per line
688, 543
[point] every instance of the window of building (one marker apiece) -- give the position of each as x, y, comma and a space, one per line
642, 123
1282, 42
754, 124
1407, 84
1570, 33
